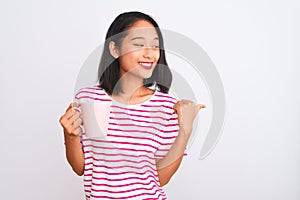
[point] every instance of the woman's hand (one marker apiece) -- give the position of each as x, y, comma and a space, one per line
187, 111
71, 120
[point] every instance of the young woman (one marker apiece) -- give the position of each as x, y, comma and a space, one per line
148, 128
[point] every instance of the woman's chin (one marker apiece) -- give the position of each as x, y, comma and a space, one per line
145, 74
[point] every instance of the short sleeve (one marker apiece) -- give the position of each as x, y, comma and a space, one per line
168, 136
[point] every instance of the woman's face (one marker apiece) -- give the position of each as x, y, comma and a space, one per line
139, 51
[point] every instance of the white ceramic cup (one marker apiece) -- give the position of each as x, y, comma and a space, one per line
95, 117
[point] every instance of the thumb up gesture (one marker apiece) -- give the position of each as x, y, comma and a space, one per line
187, 111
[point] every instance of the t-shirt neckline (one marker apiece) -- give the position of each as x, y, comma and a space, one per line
131, 105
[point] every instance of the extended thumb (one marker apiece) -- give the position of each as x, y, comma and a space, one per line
199, 106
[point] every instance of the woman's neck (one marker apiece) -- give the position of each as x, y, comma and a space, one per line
132, 89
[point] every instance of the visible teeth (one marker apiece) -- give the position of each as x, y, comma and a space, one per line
145, 64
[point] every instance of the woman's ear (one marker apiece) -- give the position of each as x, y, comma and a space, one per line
113, 49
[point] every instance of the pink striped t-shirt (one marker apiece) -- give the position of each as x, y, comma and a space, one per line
122, 164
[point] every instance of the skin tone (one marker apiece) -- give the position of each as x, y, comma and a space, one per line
138, 56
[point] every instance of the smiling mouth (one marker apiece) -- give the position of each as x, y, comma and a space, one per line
146, 65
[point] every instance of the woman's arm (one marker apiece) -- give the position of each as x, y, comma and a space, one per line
71, 122
74, 153
167, 166
166, 173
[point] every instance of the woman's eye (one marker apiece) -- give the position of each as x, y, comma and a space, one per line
138, 45
141, 45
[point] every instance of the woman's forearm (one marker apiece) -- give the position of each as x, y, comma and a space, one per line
165, 174
167, 166
74, 153
176, 150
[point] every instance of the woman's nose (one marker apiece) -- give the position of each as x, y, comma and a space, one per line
148, 52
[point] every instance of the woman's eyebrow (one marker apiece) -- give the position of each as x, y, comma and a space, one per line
137, 38
142, 38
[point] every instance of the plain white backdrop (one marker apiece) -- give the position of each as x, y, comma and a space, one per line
254, 45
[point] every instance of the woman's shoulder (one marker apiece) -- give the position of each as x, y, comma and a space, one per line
166, 101
92, 92
167, 97
88, 89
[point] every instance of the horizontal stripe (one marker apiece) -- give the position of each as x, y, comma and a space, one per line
164, 106
141, 131
115, 148
170, 125
171, 131
141, 116
89, 92
92, 88
124, 197
142, 111
117, 186
162, 137
165, 96
162, 101
117, 154
131, 131
120, 167
87, 170
123, 160
117, 142
124, 185
88, 97
129, 180
135, 120
157, 197
122, 191
135, 125
134, 137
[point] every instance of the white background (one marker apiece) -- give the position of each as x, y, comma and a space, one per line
254, 45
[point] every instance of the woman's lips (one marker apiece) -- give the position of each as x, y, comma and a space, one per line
146, 65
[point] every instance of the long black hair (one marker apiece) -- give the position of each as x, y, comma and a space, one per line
109, 68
